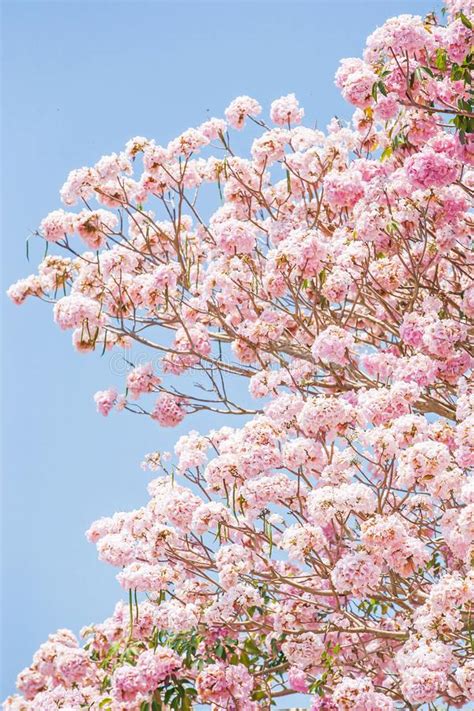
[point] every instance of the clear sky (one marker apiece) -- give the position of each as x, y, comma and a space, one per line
79, 79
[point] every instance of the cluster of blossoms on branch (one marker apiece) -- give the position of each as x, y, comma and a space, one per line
325, 546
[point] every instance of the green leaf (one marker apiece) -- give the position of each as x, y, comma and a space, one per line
244, 659
464, 105
386, 153
317, 687
168, 696
251, 646
465, 21
440, 60
274, 646
427, 70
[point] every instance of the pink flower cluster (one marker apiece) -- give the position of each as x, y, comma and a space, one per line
286, 110
169, 410
239, 109
142, 380
333, 345
152, 668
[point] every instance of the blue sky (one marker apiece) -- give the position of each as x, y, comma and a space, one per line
80, 79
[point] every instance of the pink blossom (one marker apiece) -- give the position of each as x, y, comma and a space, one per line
304, 651
465, 678
213, 128
405, 33
218, 682
239, 109
187, 143
169, 410
356, 573
356, 78
300, 541
360, 695
270, 147
77, 310
155, 665
428, 169
191, 450
20, 290
127, 683
57, 225
105, 400
286, 110
73, 666
297, 680
94, 226
325, 414
326, 502
343, 189
30, 682
142, 380
323, 704
233, 236
79, 184
144, 577
332, 345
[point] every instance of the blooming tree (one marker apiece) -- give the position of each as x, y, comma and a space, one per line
326, 545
